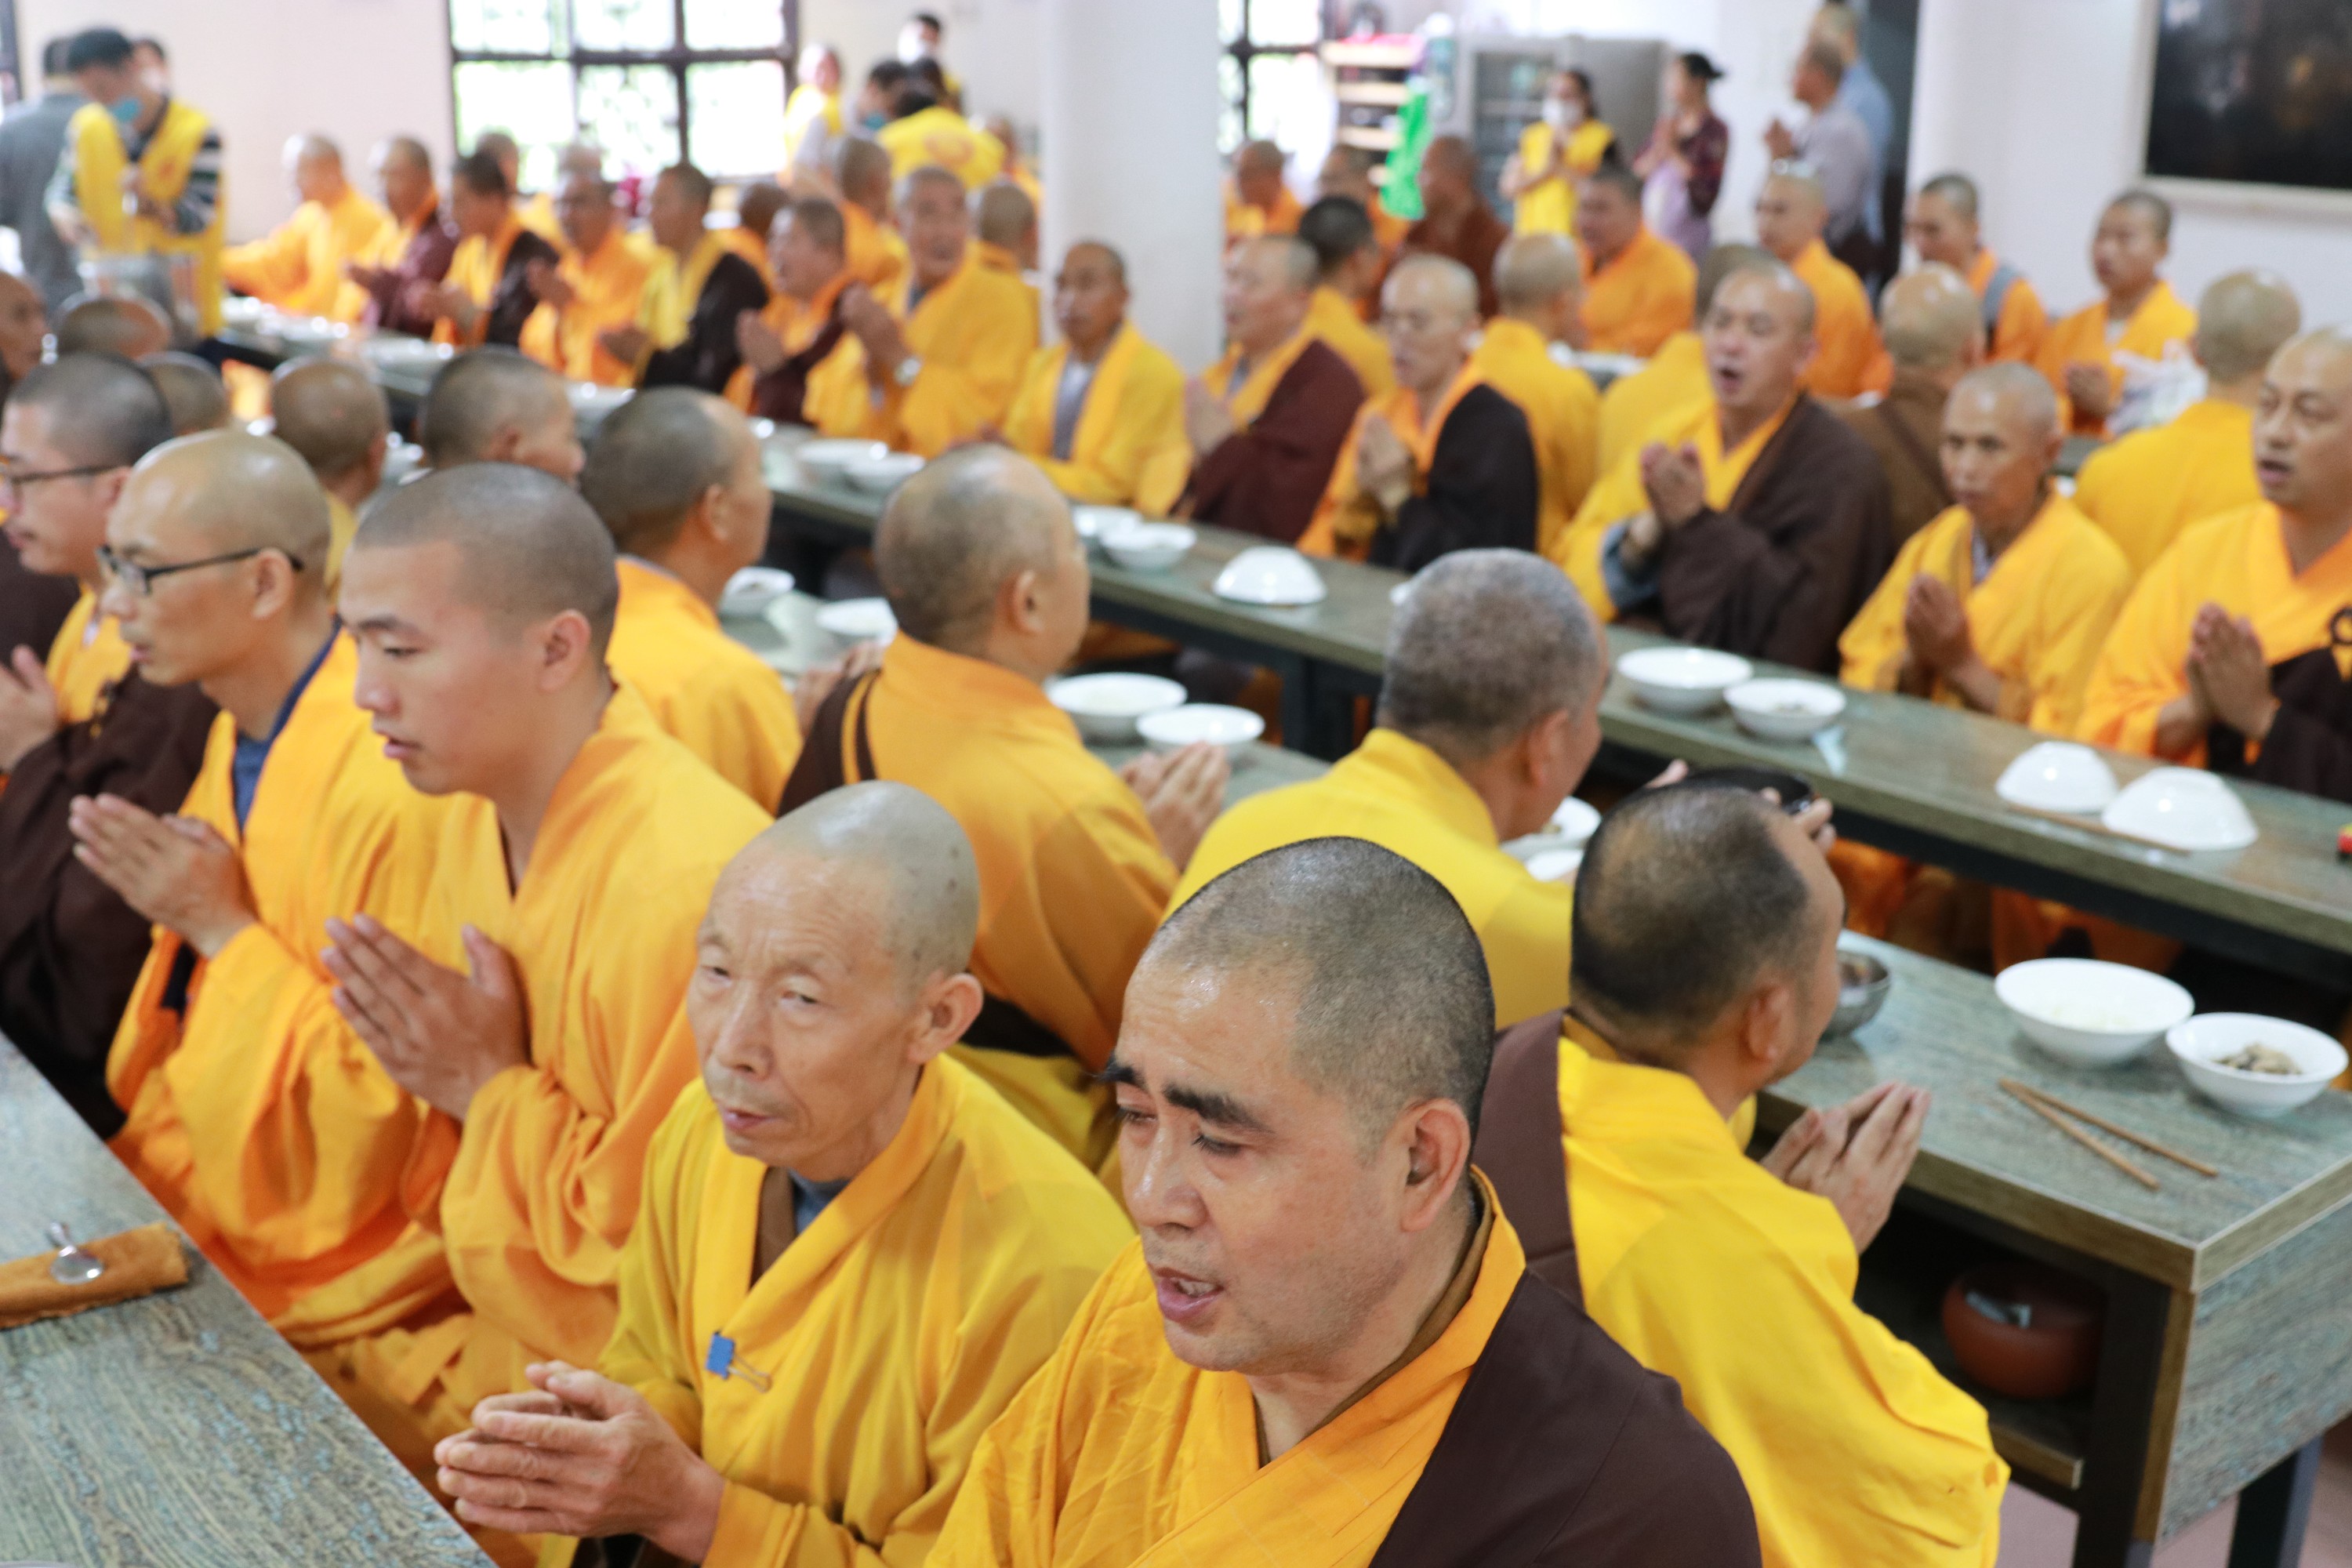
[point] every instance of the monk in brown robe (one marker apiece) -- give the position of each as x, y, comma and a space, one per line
1930, 323
801, 329
1455, 219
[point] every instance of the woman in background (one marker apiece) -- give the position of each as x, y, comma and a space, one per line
1568, 144
1683, 165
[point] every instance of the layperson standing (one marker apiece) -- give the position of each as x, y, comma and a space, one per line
301, 266
1639, 289
32, 138
486, 297
1929, 320
415, 254
1554, 155
1539, 277
1456, 220
1836, 145
2139, 318
1682, 163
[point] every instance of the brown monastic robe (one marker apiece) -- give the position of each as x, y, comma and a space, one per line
1906, 428
33, 604
1267, 480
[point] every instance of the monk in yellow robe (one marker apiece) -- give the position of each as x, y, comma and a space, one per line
1257, 199
937, 137
676, 476
799, 331
1349, 266
939, 355
988, 579
1790, 212
487, 295
1347, 171
698, 290
2145, 487
1616, 1143
1004, 236
1942, 225
339, 423
255, 1114
1676, 376
877, 254
2139, 318
1102, 411
897, 1215
589, 295
1554, 155
192, 390
1538, 279
1308, 1356
1639, 289
493, 406
1489, 714
298, 266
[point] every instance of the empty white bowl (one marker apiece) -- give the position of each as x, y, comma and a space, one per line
2181, 808
1095, 523
1779, 710
881, 475
1556, 865
752, 590
1270, 574
2088, 1012
1149, 546
1107, 706
1173, 729
2058, 775
2202, 1041
587, 397
825, 461
849, 622
1683, 679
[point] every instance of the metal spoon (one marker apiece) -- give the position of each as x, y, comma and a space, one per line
72, 1266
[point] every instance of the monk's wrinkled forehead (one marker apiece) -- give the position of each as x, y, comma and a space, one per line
2014, 398
2318, 362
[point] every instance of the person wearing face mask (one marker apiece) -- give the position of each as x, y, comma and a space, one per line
1568, 144
920, 40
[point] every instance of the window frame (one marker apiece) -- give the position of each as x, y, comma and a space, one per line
1245, 48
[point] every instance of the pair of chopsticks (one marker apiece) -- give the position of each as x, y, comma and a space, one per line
2047, 1106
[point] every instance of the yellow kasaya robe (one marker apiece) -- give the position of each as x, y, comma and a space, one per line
705, 688
939, 135
1711, 1270
1330, 317
1245, 398
2083, 339
537, 213
100, 161
797, 323
673, 287
2145, 487
609, 286
1675, 378
87, 657
808, 105
1642, 298
342, 523
476, 266
1347, 518
886, 1339
1550, 207
1563, 417
256, 1115
877, 256
997, 258
299, 265
1846, 335
1129, 446
974, 333
1244, 221
1396, 792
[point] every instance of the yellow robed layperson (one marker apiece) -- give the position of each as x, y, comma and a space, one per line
1554, 153
916, 1246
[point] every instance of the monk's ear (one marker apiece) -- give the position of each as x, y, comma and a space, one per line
949, 1004
1764, 1020
706, 515
1016, 602
1437, 1160
273, 582
563, 647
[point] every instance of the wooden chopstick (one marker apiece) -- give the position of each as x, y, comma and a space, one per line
2024, 1097
2125, 1133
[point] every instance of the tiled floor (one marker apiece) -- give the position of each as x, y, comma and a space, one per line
2039, 1534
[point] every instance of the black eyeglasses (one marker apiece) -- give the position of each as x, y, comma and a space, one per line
141, 579
18, 478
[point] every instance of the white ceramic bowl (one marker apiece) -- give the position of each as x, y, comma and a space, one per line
881, 475
2088, 1013
1173, 729
587, 396
848, 622
1270, 574
1556, 865
1570, 827
1683, 679
1107, 706
393, 349
825, 461
1781, 709
2058, 775
2181, 808
752, 590
2202, 1040
1400, 593
1149, 546
1096, 523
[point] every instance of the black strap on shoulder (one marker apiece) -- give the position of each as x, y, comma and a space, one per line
1518, 1146
825, 761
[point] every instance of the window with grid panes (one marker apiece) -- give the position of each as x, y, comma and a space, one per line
1269, 73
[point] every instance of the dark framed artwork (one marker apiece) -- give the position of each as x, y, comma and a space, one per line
2254, 92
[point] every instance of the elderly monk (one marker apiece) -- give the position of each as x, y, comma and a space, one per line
1676, 376
579, 847
1257, 199
939, 355
800, 330
1755, 522
33, 604
699, 290
192, 390
1456, 220
2145, 487
2139, 318
2228, 655
1489, 714
487, 296
988, 579
299, 265
928, 135
1789, 212
589, 294
1639, 289
493, 406
1347, 171
897, 1213
1326, 1348
674, 474
1538, 279
1267, 421
1441, 463
1704, 969
1102, 410
256, 1115
414, 253
1928, 319
877, 255
337, 419
1943, 226
125, 325
1349, 267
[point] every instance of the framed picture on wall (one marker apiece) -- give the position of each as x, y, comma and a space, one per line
2252, 92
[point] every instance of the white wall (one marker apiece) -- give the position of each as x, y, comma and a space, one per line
993, 46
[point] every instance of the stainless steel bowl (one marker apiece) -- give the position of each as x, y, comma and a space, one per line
1862, 986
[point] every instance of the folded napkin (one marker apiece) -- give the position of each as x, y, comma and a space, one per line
138, 1263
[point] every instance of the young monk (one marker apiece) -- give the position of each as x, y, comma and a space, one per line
593, 292
123, 325
1349, 267
299, 266
1538, 279
897, 1213
339, 423
1943, 226
1326, 1348
674, 474
701, 287
1639, 289
1790, 214
493, 406
2140, 315
800, 330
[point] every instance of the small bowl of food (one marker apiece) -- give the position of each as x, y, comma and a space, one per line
1149, 546
1794, 792
1776, 710
2088, 1013
750, 591
1097, 523
1173, 729
1862, 987
1106, 707
848, 622
2254, 1065
879, 475
827, 461
1683, 679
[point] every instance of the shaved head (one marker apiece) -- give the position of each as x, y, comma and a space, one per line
1957, 192
931, 176
1784, 286
1339, 228
1929, 318
1449, 284
315, 148
103, 410
2018, 393
1532, 271
481, 395
820, 221
1392, 1003
1617, 180
2242, 319
115, 323
1004, 214
1721, 263
1790, 211
653, 460
757, 207
953, 535
1452, 156
2149, 205
1094, 252
192, 389
1259, 157
238, 491
1487, 642
329, 412
408, 151
862, 170
1287, 258
909, 858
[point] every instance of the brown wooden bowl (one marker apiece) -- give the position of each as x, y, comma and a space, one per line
2055, 1353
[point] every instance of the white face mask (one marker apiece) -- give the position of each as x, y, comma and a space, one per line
912, 45
1563, 113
